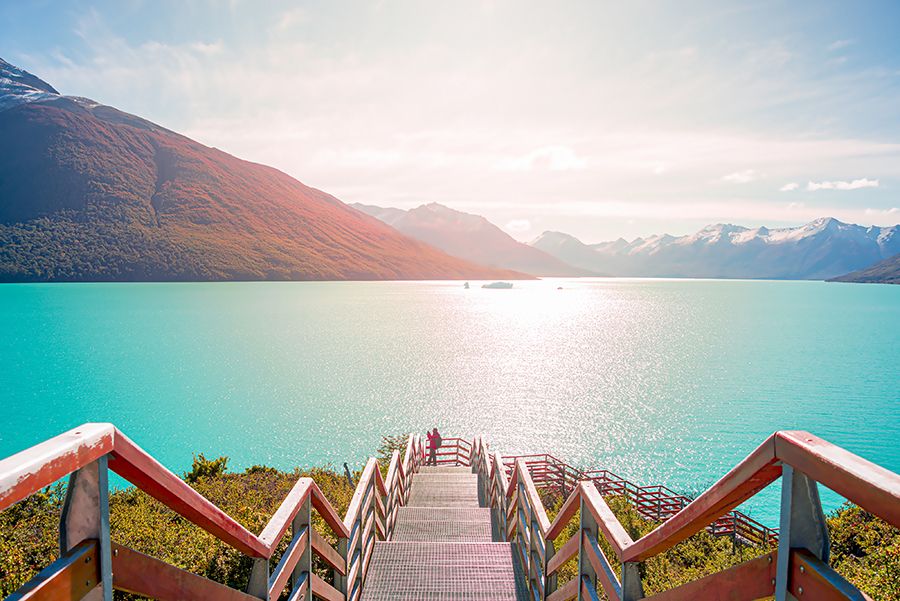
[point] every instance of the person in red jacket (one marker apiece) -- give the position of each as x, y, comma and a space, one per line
434, 443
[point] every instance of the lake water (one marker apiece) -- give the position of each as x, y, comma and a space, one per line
661, 381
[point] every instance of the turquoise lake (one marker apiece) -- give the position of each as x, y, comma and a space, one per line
662, 381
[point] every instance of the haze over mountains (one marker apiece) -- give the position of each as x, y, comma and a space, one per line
88, 192
471, 237
822, 249
883, 272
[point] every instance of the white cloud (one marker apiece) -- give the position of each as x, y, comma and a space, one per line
553, 158
843, 185
291, 18
893, 212
741, 177
390, 124
518, 226
839, 44
208, 49
789, 187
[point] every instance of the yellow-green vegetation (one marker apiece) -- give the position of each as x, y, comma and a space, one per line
389, 444
29, 530
865, 550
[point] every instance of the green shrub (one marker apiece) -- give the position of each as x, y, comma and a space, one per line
206, 468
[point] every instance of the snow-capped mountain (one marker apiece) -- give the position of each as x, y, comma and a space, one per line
821, 249
18, 86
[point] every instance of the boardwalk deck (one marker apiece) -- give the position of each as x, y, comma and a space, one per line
443, 546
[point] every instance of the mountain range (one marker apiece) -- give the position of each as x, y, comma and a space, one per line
471, 237
88, 192
822, 249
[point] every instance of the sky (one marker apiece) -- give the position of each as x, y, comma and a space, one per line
599, 119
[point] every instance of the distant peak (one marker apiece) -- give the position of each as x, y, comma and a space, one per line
826, 221
824, 224
555, 234
724, 228
23, 78
18, 86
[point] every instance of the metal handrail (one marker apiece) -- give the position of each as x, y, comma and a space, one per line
799, 458
653, 502
86, 454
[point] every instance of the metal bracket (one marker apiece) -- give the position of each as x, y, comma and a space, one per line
85, 515
803, 525
585, 569
632, 587
259, 578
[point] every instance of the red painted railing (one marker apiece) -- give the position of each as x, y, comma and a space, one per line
799, 567
656, 502
90, 564
453, 451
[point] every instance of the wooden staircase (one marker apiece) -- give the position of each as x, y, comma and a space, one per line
443, 546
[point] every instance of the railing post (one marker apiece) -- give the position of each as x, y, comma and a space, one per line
802, 525
385, 498
85, 515
340, 580
585, 568
521, 528
302, 520
632, 587
259, 578
550, 583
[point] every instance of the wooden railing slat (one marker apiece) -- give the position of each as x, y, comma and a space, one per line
564, 554
567, 591
327, 553
72, 576
141, 574
569, 508
811, 578
323, 590
752, 579
602, 569
287, 563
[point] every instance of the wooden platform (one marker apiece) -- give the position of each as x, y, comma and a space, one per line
443, 547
